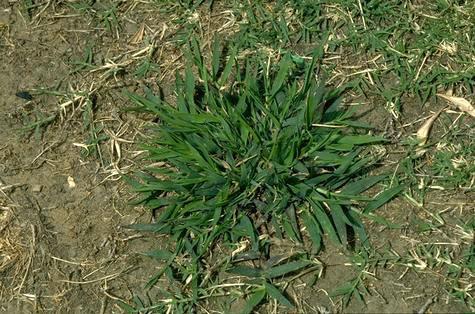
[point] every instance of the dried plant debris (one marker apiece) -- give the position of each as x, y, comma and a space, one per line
460, 103
424, 131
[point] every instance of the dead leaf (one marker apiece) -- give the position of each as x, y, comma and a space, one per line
138, 37
424, 130
461, 103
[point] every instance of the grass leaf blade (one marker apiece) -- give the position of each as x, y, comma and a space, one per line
383, 198
275, 293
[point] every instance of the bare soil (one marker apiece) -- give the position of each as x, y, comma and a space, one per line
63, 248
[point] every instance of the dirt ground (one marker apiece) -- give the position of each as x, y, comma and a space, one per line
63, 248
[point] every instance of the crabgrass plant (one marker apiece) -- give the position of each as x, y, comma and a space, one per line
251, 151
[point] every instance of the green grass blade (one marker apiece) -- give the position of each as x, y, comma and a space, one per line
324, 221
215, 58
228, 67
282, 270
313, 230
247, 228
360, 139
161, 255
383, 198
255, 299
281, 75
144, 227
359, 186
246, 271
275, 293
190, 88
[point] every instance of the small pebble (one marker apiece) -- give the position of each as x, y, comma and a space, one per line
37, 188
71, 182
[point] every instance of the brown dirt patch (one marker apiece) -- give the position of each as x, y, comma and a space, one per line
61, 242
